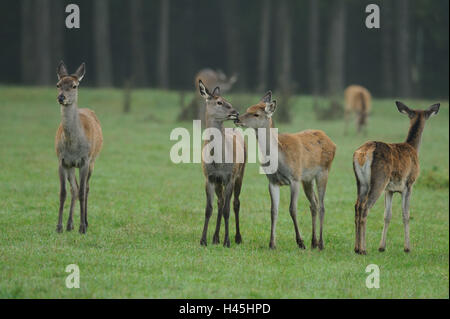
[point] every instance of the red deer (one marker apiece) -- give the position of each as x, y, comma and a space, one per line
358, 101
223, 178
303, 157
78, 142
379, 167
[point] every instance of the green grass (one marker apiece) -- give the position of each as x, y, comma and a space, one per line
146, 213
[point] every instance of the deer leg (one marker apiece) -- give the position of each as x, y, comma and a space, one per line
220, 203
406, 196
274, 191
387, 218
208, 211
87, 196
321, 181
62, 197
84, 171
236, 208
226, 212
311, 196
293, 211
74, 192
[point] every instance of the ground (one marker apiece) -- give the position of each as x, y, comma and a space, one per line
146, 214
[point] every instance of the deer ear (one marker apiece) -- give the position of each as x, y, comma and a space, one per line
203, 90
61, 70
432, 110
270, 108
267, 97
216, 91
402, 108
80, 71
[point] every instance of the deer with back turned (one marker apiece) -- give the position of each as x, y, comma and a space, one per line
78, 143
303, 158
222, 177
392, 168
358, 101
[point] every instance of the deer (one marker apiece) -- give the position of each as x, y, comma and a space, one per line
303, 158
211, 78
223, 178
78, 142
392, 168
358, 101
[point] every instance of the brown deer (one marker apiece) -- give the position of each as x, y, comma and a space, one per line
303, 157
358, 101
379, 167
78, 142
212, 79
222, 177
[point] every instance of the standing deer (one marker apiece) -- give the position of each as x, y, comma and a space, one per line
303, 157
221, 177
78, 142
379, 167
358, 101
211, 79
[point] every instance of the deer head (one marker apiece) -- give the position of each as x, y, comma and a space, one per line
68, 84
259, 115
216, 106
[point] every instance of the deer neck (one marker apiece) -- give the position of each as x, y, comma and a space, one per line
415, 132
270, 138
71, 124
211, 122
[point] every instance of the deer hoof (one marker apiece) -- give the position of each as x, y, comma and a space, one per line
406, 250
203, 242
238, 239
59, 228
216, 240
381, 249
321, 246
226, 243
82, 229
272, 246
69, 227
313, 244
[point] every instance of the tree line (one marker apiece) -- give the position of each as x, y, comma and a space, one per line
302, 46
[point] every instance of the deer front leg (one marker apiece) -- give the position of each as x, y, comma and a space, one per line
293, 211
62, 197
387, 219
406, 196
274, 191
220, 202
226, 213
84, 169
74, 190
313, 206
87, 196
209, 188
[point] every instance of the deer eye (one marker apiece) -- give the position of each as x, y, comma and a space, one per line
256, 114
219, 103
58, 86
74, 86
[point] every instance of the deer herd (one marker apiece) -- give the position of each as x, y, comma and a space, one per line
304, 159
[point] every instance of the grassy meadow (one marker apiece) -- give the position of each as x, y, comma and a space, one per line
146, 214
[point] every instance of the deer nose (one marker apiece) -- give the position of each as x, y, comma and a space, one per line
60, 98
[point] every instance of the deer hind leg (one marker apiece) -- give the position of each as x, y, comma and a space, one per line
236, 208
363, 186
62, 197
74, 192
275, 201
313, 206
87, 195
406, 196
293, 211
220, 201
321, 181
209, 189
387, 218
84, 171
226, 212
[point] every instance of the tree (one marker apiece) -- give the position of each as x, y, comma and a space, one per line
27, 42
336, 48
102, 45
43, 42
138, 60
313, 41
163, 52
264, 40
386, 50
403, 48
57, 24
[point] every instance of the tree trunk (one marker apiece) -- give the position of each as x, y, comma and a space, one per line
284, 81
314, 36
58, 15
403, 42
336, 49
43, 42
232, 40
386, 49
102, 48
264, 46
163, 53
27, 42
138, 62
